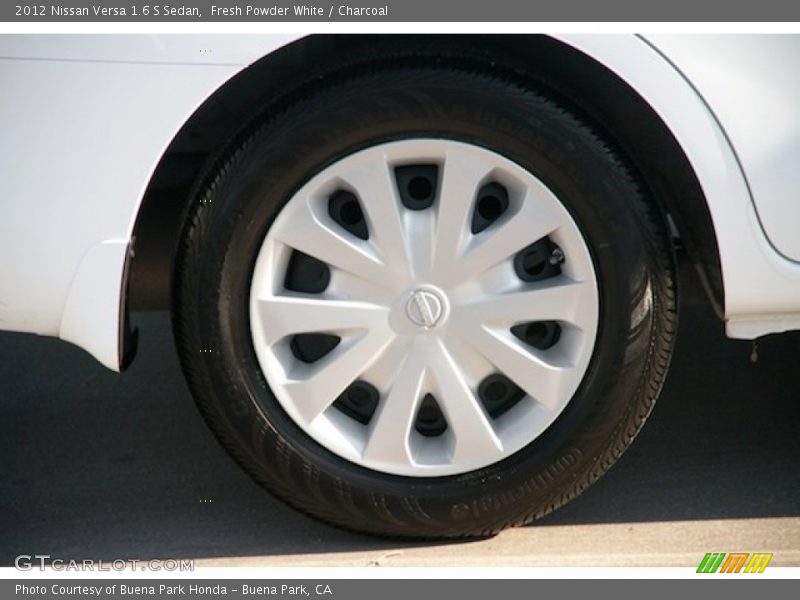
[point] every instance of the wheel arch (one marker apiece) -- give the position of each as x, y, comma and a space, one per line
572, 68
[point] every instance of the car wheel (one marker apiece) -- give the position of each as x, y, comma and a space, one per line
424, 301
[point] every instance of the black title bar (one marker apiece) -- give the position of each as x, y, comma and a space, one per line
403, 10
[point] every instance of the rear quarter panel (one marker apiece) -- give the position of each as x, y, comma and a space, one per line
84, 121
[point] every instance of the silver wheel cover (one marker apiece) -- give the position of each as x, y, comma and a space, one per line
424, 306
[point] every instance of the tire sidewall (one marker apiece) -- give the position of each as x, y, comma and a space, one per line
290, 149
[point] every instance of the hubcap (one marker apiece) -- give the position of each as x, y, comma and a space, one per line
424, 307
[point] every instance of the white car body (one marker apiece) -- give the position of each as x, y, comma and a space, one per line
85, 121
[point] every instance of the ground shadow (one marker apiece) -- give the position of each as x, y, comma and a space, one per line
101, 465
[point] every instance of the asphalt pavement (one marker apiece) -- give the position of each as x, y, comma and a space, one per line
99, 465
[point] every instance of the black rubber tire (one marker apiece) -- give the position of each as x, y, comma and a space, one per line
625, 233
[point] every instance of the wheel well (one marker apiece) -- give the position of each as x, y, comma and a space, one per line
619, 114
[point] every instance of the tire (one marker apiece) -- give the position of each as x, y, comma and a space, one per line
627, 348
